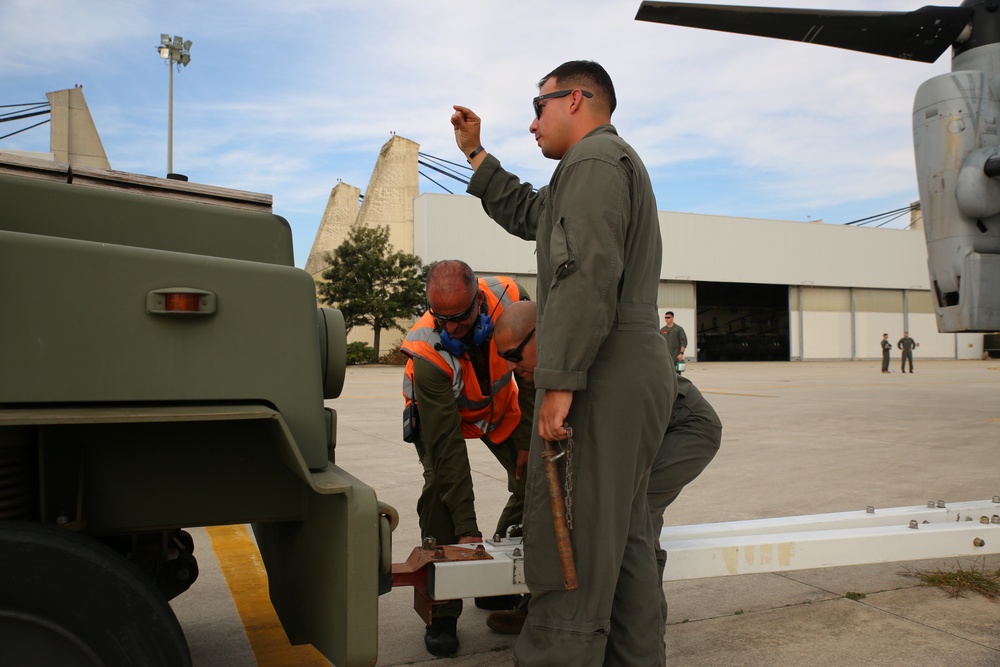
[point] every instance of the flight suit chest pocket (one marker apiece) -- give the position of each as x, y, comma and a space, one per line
562, 257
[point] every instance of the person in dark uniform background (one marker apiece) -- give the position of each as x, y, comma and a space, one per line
886, 349
906, 344
677, 340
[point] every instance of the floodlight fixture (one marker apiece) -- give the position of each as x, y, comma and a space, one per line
175, 51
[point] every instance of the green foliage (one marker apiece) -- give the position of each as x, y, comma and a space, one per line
393, 357
854, 595
359, 353
371, 283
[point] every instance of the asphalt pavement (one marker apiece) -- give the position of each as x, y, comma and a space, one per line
798, 438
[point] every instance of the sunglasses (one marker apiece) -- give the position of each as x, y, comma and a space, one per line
515, 355
549, 96
441, 320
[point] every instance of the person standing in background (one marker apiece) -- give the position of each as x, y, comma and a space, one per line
676, 338
886, 349
907, 344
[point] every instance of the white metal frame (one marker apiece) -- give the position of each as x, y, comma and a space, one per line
935, 530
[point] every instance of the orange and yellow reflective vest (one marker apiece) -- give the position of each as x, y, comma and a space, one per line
496, 415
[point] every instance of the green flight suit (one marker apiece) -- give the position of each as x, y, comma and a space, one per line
599, 256
906, 344
691, 442
676, 339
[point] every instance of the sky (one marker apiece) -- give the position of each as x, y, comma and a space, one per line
287, 98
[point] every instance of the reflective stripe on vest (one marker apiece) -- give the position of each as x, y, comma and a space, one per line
424, 342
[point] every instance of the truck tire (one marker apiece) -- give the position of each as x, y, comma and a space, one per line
68, 600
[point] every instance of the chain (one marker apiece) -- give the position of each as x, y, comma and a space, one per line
569, 476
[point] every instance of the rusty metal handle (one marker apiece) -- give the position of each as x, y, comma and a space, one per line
549, 456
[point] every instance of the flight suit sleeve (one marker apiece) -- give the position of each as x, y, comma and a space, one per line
441, 432
682, 339
590, 201
513, 205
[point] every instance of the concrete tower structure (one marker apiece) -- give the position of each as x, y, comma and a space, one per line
388, 202
340, 215
393, 187
73, 136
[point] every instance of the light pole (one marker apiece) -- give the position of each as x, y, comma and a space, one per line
174, 50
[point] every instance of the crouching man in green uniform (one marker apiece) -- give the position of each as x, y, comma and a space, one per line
602, 369
456, 387
689, 445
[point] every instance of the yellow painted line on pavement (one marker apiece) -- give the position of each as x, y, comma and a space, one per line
247, 579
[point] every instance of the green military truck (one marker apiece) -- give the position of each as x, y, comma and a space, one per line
164, 365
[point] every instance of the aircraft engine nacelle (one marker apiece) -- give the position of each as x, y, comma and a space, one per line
955, 139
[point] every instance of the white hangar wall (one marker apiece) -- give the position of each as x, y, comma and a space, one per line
778, 252
845, 285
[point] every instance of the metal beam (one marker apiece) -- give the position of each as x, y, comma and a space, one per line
935, 530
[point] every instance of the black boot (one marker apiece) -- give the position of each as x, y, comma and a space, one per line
498, 602
441, 637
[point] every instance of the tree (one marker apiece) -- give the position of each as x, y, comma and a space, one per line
371, 283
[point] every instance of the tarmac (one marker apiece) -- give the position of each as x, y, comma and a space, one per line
799, 438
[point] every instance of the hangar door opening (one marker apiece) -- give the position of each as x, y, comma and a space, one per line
742, 322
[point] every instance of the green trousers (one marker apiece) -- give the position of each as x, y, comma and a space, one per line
614, 617
435, 518
690, 444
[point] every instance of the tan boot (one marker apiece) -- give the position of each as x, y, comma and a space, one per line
508, 621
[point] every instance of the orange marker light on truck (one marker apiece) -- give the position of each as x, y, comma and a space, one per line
181, 302
185, 302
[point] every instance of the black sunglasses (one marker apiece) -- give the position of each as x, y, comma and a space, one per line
515, 355
549, 96
461, 317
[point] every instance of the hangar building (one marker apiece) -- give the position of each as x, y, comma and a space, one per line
743, 289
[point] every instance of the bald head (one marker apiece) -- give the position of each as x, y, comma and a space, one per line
517, 320
451, 275
453, 296
515, 339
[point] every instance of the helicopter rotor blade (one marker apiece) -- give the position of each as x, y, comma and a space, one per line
923, 34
